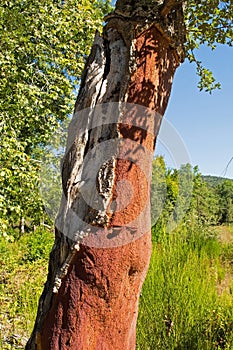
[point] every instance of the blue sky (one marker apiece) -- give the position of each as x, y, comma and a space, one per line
204, 121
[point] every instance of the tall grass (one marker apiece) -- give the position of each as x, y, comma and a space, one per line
23, 268
180, 307
186, 302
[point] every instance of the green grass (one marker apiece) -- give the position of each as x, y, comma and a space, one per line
180, 305
23, 268
186, 302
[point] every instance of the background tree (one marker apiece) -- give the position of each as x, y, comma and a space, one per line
43, 48
225, 192
203, 208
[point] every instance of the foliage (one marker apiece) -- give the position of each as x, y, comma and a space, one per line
225, 192
38, 245
214, 181
158, 188
19, 193
43, 48
184, 196
22, 274
208, 23
204, 205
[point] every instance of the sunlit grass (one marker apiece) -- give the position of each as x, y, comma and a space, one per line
23, 270
180, 305
186, 302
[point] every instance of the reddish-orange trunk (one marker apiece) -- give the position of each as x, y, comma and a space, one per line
90, 300
96, 308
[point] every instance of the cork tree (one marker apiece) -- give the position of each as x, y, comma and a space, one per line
102, 232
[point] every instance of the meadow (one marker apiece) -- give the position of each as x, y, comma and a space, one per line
185, 304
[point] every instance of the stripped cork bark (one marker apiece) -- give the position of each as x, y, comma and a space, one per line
90, 299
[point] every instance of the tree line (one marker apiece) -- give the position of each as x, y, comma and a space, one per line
185, 195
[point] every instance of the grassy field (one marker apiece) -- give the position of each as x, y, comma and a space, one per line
186, 302
23, 269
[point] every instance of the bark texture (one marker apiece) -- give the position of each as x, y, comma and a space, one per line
90, 299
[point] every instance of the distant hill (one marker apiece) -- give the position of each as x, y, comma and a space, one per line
214, 181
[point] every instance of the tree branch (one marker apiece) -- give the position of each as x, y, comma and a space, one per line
168, 5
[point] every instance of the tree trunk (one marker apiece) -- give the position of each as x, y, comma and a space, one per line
103, 244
